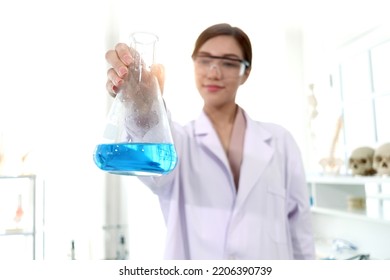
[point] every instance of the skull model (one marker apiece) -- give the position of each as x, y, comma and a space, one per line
382, 159
361, 161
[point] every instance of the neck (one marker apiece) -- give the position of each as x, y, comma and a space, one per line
221, 116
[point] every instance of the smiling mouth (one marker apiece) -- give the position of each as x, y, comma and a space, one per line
213, 87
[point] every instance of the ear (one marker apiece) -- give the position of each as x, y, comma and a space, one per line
245, 76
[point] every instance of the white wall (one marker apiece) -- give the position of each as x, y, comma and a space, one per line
52, 100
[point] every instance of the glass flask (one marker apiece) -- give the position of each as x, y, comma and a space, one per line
137, 138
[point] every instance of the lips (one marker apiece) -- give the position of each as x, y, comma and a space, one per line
212, 88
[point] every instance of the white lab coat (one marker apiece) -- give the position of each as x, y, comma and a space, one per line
269, 216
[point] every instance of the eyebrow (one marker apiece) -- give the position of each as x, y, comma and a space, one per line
228, 55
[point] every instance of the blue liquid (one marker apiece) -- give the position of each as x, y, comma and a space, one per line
138, 159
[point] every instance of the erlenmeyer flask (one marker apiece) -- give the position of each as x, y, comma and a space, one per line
137, 139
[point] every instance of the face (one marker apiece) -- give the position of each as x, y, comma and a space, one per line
216, 86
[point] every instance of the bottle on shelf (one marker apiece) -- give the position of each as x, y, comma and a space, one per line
19, 211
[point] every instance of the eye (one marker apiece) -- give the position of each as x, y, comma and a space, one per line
363, 160
378, 158
230, 64
204, 60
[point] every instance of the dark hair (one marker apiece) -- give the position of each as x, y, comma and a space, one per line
226, 29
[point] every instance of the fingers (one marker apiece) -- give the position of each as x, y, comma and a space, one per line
113, 76
117, 64
123, 52
113, 82
111, 88
119, 59
158, 70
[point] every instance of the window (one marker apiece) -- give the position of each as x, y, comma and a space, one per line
365, 97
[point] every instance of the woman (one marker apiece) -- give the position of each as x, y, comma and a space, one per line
239, 190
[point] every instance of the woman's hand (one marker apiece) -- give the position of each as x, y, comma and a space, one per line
120, 59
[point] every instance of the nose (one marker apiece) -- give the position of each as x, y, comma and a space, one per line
214, 71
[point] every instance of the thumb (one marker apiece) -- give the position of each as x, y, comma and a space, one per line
158, 70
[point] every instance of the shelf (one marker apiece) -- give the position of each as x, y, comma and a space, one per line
331, 195
358, 215
17, 177
23, 233
346, 179
379, 196
18, 233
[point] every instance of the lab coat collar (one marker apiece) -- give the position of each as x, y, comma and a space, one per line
257, 151
208, 137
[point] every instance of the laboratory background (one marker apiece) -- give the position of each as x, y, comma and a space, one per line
320, 69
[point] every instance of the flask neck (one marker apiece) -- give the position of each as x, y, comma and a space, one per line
144, 46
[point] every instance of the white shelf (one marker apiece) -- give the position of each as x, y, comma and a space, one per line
330, 195
346, 179
357, 215
379, 196
23, 235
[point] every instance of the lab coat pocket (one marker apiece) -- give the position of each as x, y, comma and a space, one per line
276, 214
276, 189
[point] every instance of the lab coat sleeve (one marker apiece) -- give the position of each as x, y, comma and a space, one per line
162, 185
298, 207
